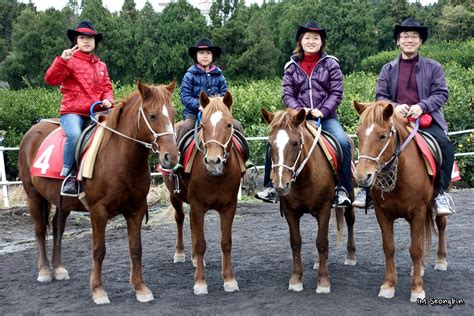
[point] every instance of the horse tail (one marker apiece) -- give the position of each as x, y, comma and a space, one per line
430, 227
339, 212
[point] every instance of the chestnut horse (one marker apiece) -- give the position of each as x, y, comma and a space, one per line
303, 179
213, 183
400, 187
120, 184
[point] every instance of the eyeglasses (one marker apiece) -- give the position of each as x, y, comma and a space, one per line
413, 37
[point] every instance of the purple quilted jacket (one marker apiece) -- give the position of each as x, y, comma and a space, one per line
322, 90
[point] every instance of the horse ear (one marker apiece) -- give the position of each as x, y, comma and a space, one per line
299, 117
267, 115
387, 111
171, 86
360, 107
228, 99
144, 90
204, 99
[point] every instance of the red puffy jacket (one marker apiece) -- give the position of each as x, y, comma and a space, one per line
84, 79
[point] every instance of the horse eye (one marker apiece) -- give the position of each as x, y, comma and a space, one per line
153, 117
383, 136
229, 125
295, 144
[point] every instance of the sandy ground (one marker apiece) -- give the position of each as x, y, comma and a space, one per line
262, 263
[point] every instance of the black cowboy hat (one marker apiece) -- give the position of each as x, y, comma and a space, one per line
84, 28
311, 26
205, 44
411, 24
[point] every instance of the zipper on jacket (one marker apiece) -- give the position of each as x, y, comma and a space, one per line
309, 78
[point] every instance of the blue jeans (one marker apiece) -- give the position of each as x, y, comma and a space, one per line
333, 126
72, 125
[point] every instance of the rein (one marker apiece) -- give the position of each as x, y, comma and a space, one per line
153, 146
305, 161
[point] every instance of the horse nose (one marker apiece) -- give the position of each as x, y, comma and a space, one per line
366, 181
206, 161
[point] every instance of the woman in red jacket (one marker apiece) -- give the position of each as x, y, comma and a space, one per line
84, 79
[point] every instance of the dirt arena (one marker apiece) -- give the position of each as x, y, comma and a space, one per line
262, 264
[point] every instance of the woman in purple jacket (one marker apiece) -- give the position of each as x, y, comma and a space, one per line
312, 81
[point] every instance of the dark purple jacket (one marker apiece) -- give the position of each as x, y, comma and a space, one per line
322, 90
431, 84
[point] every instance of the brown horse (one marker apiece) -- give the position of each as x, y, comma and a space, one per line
303, 179
212, 184
400, 188
120, 184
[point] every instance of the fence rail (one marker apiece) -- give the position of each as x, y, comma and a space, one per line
5, 183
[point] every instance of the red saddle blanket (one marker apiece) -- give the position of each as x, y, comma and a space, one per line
49, 161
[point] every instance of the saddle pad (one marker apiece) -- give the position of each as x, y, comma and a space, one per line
49, 161
328, 150
428, 157
86, 167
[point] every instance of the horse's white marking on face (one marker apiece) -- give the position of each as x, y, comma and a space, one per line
369, 130
215, 118
169, 126
281, 140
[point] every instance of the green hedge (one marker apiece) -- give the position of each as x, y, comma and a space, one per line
21, 109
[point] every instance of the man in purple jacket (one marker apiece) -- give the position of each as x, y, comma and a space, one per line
416, 85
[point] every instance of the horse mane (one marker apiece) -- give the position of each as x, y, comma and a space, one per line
373, 113
281, 119
216, 104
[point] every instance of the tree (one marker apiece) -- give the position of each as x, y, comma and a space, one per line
457, 21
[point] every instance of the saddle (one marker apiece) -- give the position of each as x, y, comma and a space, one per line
329, 144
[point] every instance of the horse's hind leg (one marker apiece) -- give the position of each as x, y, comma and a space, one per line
134, 225
322, 243
417, 230
441, 262
349, 215
60, 273
227, 217
179, 218
38, 208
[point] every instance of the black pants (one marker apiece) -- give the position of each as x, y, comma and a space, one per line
267, 182
443, 179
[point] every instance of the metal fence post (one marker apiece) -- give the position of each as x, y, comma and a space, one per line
6, 203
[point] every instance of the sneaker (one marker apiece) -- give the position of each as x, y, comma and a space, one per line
70, 187
267, 195
341, 198
360, 199
444, 204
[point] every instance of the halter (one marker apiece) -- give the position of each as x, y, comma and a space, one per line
376, 159
224, 146
303, 163
153, 146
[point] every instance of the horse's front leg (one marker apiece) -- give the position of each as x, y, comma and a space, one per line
322, 243
196, 216
387, 289
441, 262
134, 225
179, 218
417, 247
349, 215
293, 220
227, 217
60, 273
99, 218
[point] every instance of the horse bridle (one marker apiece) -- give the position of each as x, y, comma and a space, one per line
303, 163
224, 146
377, 159
153, 146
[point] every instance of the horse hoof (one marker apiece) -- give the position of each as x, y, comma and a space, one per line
350, 262
179, 258
387, 293
416, 296
200, 289
296, 287
61, 274
323, 289
44, 275
441, 265
102, 300
146, 297
316, 265
422, 271
231, 286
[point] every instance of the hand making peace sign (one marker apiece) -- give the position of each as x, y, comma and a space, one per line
67, 54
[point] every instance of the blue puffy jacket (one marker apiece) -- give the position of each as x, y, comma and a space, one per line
196, 80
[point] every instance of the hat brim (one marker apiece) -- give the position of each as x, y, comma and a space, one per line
71, 34
302, 29
216, 51
422, 30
